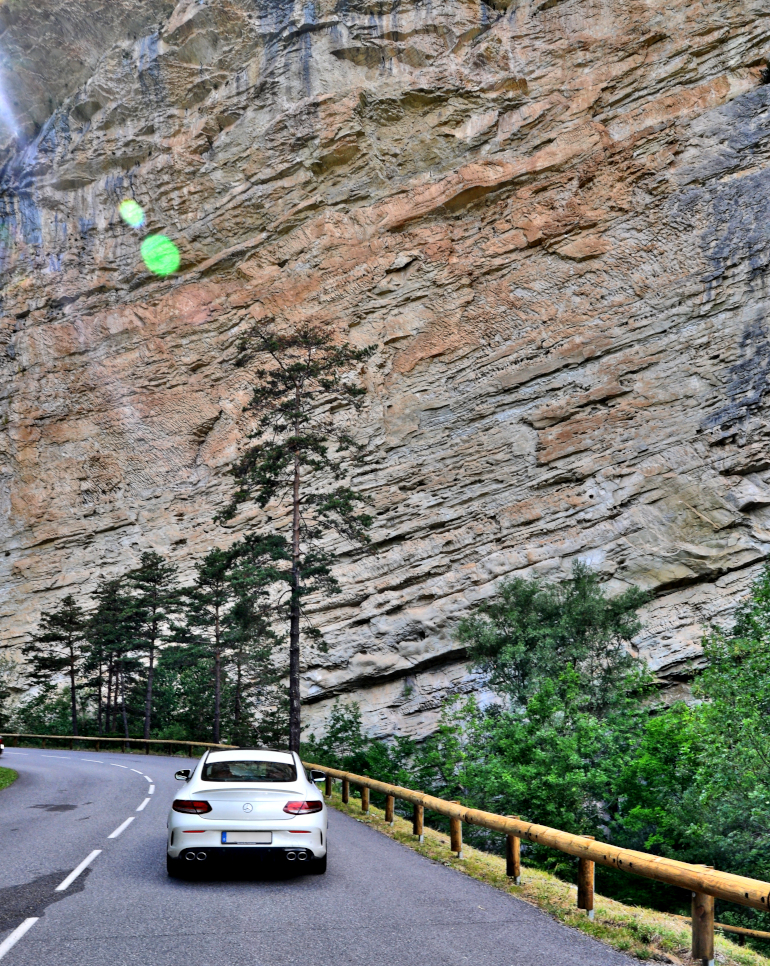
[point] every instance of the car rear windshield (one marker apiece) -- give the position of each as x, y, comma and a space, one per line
249, 771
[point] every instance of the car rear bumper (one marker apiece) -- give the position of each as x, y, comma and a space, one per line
246, 855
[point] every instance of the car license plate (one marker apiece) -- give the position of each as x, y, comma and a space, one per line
247, 838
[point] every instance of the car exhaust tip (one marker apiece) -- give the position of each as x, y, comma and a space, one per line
302, 856
190, 856
291, 856
201, 856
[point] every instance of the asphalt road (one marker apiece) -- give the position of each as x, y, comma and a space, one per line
380, 904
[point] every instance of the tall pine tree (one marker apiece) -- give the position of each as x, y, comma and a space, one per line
253, 644
304, 452
112, 631
58, 648
157, 603
208, 603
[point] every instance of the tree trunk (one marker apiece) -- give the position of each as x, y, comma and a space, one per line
123, 698
108, 712
148, 695
295, 723
99, 701
73, 691
237, 699
217, 672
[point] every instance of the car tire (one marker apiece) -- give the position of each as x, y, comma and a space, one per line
317, 866
175, 868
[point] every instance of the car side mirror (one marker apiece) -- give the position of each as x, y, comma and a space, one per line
183, 775
317, 776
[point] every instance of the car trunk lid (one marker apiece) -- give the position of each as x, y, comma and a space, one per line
248, 804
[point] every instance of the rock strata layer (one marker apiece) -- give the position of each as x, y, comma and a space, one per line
553, 217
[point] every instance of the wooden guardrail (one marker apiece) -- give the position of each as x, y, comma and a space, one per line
739, 931
704, 883
123, 742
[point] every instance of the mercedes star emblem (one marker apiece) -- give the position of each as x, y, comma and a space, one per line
248, 808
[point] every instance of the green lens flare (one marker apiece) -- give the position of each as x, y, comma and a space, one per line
160, 254
131, 213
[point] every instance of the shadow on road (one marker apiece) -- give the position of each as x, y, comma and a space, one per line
223, 872
31, 899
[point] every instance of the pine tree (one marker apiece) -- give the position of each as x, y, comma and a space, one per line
208, 602
156, 603
6, 672
253, 644
58, 647
302, 457
112, 630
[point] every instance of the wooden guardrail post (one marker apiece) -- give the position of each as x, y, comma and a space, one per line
585, 884
418, 819
328, 786
456, 834
365, 798
513, 857
390, 807
703, 928
345, 791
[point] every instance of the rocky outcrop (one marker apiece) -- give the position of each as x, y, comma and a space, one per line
553, 217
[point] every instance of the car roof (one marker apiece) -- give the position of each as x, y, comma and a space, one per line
248, 754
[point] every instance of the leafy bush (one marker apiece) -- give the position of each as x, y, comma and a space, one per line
579, 742
533, 630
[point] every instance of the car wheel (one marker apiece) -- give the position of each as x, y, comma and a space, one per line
175, 867
317, 866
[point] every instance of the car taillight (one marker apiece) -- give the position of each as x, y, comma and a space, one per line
190, 807
302, 808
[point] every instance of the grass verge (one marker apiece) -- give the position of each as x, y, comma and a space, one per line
638, 932
7, 777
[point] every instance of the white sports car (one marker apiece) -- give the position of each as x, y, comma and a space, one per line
253, 806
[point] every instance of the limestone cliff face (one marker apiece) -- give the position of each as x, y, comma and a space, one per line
552, 215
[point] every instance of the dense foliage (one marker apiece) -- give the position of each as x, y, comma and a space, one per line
578, 739
158, 660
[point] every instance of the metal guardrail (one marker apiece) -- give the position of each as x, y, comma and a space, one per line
123, 742
704, 883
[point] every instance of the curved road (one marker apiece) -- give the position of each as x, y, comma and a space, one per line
380, 904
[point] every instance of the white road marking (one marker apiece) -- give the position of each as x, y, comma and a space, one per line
10, 941
114, 765
97, 760
143, 805
151, 790
6, 752
121, 828
136, 770
61, 757
76, 871
148, 778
